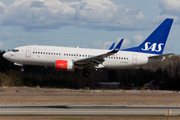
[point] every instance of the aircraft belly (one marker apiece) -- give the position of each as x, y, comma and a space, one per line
23, 60
117, 64
43, 62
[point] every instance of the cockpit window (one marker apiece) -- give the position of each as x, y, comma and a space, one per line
14, 50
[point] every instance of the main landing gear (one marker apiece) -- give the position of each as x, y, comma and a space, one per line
86, 73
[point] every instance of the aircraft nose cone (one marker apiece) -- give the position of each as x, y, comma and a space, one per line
5, 55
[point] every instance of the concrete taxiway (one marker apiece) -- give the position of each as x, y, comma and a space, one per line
91, 110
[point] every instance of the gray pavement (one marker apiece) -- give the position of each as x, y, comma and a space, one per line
91, 110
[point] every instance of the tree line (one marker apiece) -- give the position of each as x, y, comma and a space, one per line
165, 74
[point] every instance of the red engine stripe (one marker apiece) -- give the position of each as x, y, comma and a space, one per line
61, 64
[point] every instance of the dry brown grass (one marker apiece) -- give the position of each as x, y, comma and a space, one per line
49, 96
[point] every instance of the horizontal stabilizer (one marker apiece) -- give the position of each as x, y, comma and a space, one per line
160, 56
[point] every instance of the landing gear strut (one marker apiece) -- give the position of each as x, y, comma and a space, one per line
86, 73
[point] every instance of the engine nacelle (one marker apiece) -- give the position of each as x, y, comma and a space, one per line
65, 65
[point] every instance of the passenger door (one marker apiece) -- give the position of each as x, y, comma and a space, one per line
28, 52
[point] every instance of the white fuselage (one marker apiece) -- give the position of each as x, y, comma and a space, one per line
47, 55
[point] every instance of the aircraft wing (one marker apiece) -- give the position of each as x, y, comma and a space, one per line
98, 59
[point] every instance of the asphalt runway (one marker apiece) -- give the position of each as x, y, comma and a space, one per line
90, 110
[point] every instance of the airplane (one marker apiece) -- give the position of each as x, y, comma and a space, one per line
70, 59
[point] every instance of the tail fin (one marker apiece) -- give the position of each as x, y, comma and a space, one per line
155, 43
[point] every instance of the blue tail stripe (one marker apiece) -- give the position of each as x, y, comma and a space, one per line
155, 43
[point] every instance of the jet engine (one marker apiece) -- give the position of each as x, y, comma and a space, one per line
64, 65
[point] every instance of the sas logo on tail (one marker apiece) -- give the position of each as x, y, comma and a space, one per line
152, 47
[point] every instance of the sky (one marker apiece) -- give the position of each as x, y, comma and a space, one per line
86, 23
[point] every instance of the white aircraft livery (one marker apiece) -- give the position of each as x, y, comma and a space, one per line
70, 59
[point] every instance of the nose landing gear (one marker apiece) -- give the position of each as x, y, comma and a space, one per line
22, 69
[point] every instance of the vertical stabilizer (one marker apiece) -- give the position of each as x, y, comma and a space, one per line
156, 42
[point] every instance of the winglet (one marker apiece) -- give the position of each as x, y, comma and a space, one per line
159, 56
117, 48
112, 46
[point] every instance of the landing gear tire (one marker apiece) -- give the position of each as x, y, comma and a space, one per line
86, 74
22, 69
